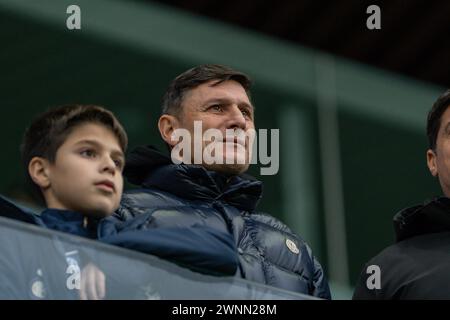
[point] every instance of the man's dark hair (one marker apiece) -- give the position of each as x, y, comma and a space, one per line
50, 129
194, 77
434, 118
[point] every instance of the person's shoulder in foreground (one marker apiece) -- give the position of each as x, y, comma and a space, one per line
203, 182
416, 266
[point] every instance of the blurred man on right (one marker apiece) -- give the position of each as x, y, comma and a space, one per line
417, 266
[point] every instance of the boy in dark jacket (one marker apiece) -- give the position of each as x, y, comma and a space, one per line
74, 156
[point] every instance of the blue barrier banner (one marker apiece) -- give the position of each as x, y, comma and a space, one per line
37, 263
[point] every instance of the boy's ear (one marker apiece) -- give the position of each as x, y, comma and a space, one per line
166, 125
38, 168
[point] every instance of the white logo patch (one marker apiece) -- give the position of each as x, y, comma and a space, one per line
292, 246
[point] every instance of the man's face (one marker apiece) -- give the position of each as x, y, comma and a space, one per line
86, 175
220, 106
439, 160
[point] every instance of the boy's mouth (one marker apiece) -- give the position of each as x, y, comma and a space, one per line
106, 184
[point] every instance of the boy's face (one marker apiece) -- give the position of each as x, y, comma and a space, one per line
86, 175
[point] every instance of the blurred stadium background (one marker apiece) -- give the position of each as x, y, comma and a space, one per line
350, 103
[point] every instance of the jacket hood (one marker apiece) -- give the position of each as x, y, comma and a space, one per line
149, 168
430, 217
141, 161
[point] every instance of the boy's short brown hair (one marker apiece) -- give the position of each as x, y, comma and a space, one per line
50, 129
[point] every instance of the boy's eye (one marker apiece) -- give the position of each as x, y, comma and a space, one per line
119, 163
88, 153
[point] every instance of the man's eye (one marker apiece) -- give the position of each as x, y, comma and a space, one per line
216, 107
246, 113
88, 153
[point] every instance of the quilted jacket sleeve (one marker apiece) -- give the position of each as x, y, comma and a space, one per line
199, 248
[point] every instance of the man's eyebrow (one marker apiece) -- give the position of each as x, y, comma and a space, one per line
226, 100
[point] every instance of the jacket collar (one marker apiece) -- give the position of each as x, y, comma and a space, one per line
69, 221
149, 168
431, 217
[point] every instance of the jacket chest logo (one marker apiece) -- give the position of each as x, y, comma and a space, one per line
292, 246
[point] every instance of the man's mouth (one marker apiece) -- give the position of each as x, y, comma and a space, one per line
235, 140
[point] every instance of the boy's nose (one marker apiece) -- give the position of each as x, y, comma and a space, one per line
108, 165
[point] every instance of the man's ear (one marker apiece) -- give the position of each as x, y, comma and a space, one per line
166, 125
431, 162
38, 168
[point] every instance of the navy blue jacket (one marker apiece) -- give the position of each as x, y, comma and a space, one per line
184, 246
22, 257
199, 248
189, 195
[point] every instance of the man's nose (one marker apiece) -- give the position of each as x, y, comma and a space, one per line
236, 119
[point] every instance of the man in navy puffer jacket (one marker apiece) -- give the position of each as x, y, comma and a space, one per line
177, 193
